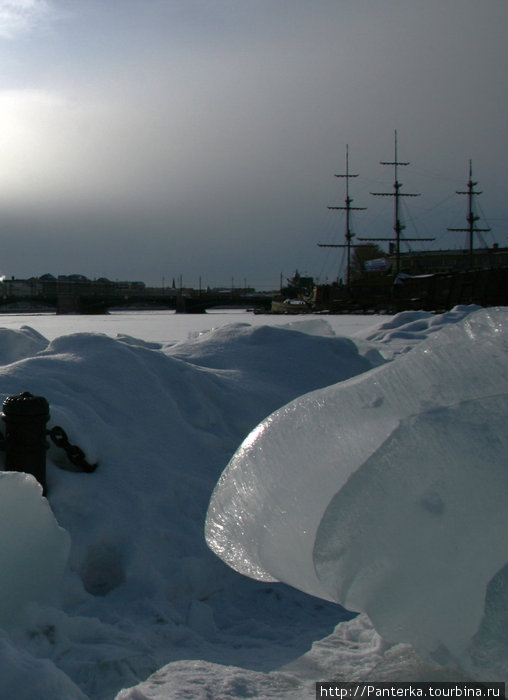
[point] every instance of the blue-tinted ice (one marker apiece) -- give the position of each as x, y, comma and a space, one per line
386, 493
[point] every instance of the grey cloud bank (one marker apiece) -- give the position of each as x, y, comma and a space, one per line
148, 140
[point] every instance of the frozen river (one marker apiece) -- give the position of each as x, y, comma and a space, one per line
167, 326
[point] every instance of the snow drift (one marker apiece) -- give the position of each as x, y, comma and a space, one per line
387, 493
136, 588
118, 581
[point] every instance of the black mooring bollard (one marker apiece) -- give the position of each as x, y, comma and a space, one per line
25, 419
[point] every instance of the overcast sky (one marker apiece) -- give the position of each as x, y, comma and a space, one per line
148, 139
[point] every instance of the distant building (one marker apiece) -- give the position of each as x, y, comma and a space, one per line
435, 261
20, 289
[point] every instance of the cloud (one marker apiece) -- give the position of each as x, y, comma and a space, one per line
22, 16
184, 134
40, 144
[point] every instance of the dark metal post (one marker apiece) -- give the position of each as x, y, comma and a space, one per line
25, 418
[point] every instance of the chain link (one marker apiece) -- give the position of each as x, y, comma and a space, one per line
74, 453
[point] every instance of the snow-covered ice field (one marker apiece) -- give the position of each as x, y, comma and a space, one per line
166, 326
360, 461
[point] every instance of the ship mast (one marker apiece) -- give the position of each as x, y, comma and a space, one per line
349, 235
398, 227
471, 217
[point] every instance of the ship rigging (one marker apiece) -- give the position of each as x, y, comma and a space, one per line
349, 235
398, 227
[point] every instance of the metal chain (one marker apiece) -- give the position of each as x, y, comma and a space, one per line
74, 453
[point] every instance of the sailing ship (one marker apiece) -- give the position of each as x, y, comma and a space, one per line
430, 280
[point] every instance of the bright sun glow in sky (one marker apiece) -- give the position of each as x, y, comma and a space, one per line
148, 139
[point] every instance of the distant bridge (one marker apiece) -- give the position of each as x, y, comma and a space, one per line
89, 297
199, 302
181, 303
